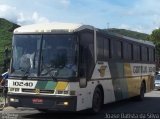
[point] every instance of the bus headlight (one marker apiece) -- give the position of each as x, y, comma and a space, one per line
65, 103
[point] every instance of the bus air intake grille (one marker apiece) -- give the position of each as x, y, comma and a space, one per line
40, 91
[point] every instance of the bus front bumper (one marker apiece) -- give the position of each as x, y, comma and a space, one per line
45, 102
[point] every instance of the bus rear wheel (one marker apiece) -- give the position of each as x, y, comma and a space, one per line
97, 100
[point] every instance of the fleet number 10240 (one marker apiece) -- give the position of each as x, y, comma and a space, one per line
28, 84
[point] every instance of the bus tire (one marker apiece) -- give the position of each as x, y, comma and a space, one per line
142, 91
97, 100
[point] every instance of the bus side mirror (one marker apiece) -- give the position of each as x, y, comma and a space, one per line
83, 82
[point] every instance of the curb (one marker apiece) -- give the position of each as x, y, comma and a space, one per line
7, 108
3, 106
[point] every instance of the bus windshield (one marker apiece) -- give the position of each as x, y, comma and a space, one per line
25, 50
44, 56
59, 56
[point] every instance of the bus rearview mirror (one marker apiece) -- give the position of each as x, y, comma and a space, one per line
83, 82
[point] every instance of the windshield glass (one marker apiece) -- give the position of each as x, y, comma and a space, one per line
157, 77
51, 56
25, 55
59, 56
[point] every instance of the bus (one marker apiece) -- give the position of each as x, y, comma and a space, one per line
73, 67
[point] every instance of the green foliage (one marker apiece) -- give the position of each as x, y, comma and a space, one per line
6, 32
155, 37
132, 34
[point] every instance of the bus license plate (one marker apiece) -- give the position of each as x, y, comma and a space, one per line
37, 101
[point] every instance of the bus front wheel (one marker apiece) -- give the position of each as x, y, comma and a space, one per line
97, 100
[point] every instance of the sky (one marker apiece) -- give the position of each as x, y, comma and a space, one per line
137, 15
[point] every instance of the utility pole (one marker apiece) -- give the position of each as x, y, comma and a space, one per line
108, 25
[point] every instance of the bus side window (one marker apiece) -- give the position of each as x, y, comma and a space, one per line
128, 51
82, 68
86, 54
100, 48
144, 53
136, 52
151, 54
106, 49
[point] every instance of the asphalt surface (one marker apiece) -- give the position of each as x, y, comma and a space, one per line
149, 108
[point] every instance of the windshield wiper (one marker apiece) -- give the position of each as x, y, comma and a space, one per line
49, 72
25, 74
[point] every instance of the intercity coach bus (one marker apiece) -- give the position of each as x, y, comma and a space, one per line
73, 67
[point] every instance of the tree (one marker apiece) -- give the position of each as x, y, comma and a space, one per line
155, 38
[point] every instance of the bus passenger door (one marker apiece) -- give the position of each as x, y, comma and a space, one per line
86, 57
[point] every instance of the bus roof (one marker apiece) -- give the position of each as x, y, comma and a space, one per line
52, 27
130, 38
56, 27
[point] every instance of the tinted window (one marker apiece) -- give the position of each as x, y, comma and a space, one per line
86, 54
144, 53
151, 54
128, 51
119, 49
116, 49
106, 49
136, 52
100, 48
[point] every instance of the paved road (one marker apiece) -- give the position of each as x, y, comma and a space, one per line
149, 108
